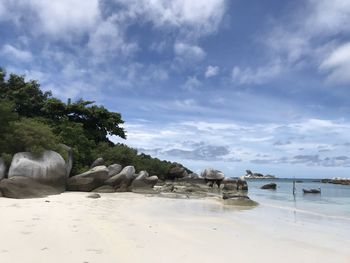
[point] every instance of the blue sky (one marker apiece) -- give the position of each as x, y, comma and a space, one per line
235, 85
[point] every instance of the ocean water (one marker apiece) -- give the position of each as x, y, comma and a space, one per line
332, 203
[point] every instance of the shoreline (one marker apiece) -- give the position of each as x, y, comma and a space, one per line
128, 227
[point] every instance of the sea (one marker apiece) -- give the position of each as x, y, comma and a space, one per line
332, 202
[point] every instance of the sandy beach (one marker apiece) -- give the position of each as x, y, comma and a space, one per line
126, 227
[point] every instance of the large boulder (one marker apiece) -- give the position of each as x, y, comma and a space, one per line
98, 162
177, 172
89, 180
2, 169
122, 180
114, 169
49, 168
26, 187
35, 176
143, 182
212, 174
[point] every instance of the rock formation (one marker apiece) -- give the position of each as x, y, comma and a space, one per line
213, 176
89, 180
144, 182
122, 180
250, 175
31, 176
177, 172
114, 169
98, 162
337, 180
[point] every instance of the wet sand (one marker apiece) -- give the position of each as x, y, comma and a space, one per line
126, 227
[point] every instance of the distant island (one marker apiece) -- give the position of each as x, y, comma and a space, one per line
250, 175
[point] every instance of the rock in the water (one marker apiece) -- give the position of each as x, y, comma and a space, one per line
143, 182
26, 187
272, 186
94, 196
2, 169
212, 174
122, 180
114, 169
177, 172
97, 162
89, 180
104, 189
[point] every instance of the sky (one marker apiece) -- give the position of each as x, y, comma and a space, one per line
234, 85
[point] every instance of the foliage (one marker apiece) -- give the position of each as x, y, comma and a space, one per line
30, 135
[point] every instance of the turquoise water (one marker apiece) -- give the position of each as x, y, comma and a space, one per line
333, 202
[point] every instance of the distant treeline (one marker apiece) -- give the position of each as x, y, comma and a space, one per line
33, 120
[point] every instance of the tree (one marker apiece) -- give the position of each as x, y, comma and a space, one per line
26, 96
97, 120
73, 134
30, 135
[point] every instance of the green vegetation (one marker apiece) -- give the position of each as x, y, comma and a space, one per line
33, 120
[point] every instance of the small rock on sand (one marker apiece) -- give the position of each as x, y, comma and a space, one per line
95, 196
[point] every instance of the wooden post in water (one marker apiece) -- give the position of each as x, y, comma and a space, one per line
294, 190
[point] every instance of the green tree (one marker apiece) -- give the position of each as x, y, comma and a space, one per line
27, 96
30, 135
73, 135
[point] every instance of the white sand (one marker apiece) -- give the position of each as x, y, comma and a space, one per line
125, 227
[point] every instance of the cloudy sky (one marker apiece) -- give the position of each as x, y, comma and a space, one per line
235, 85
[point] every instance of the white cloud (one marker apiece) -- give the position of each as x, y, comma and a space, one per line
57, 17
309, 36
188, 52
108, 39
337, 63
192, 83
211, 71
257, 76
194, 18
328, 17
14, 53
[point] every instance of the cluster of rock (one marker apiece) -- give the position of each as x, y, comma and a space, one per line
250, 175
113, 178
337, 180
31, 176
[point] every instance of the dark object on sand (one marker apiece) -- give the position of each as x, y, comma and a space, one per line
272, 186
312, 191
94, 196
